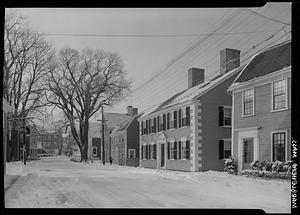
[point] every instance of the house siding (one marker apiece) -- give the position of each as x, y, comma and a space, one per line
208, 127
263, 118
133, 143
172, 135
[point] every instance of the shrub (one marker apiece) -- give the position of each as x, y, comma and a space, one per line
277, 166
254, 165
230, 165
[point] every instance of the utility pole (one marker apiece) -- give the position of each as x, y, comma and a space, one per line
103, 151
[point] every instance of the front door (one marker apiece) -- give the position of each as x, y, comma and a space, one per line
162, 155
248, 148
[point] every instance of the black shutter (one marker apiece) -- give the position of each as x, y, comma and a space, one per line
164, 122
154, 123
158, 129
168, 150
142, 125
188, 149
175, 119
146, 152
221, 149
221, 116
179, 150
142, 152
187, 116
154, 152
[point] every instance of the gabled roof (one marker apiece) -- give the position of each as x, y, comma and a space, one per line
125, 123
271, 60
196, 91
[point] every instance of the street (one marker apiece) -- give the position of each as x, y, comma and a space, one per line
56, 182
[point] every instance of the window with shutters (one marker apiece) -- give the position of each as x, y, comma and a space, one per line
188, 115
224, 148
131, 153
148, 151
171, 120
144, 152
172, 151
185, 150
248, 102
153, 151
179, 150
225, 116
179, 118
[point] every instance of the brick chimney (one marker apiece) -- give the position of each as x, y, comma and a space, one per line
229, 59
195, 77
134, 111
129, 110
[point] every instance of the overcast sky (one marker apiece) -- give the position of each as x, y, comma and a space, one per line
142, 56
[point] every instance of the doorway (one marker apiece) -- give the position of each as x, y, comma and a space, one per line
248, 149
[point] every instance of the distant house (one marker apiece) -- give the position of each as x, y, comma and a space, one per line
6, 109
261, 97
191, 131
125, 140
95, 135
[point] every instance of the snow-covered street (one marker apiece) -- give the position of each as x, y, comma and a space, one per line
58, 182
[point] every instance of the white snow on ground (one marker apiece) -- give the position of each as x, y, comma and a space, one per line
58, 182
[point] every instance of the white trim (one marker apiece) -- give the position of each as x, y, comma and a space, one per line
281, 72
285, 147
253, 107
250, 133
286, 94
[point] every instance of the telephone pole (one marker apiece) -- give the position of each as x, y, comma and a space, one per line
103, 147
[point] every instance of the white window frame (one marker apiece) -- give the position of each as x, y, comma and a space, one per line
144, 151
286, 95
227, 139
94, 147
253, 109
285, 147
228, 107
129, 152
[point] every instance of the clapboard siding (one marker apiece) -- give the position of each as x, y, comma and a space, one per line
211, 130
266, 120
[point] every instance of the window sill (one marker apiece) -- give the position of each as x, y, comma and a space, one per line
226, 126
244, 116
278, 110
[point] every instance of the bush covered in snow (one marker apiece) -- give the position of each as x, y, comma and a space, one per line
268, 169
230, 165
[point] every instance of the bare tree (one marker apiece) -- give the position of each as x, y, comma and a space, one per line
27, 59
82, 84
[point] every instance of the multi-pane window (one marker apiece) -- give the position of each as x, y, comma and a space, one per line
248, 105
185, 145
279, 146
153, 151
171, 120
131, 153
175, 118
227, 116
227, 148
172, 150
144, 152
94, 151
179, 117
154, 124
279, 95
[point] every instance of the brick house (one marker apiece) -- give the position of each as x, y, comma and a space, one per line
191, 131
125, 140
95, 135
261, 97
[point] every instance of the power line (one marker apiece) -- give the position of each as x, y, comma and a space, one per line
261, 15
153, 35
202, 52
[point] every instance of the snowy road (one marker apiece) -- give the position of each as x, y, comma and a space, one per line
58, 182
